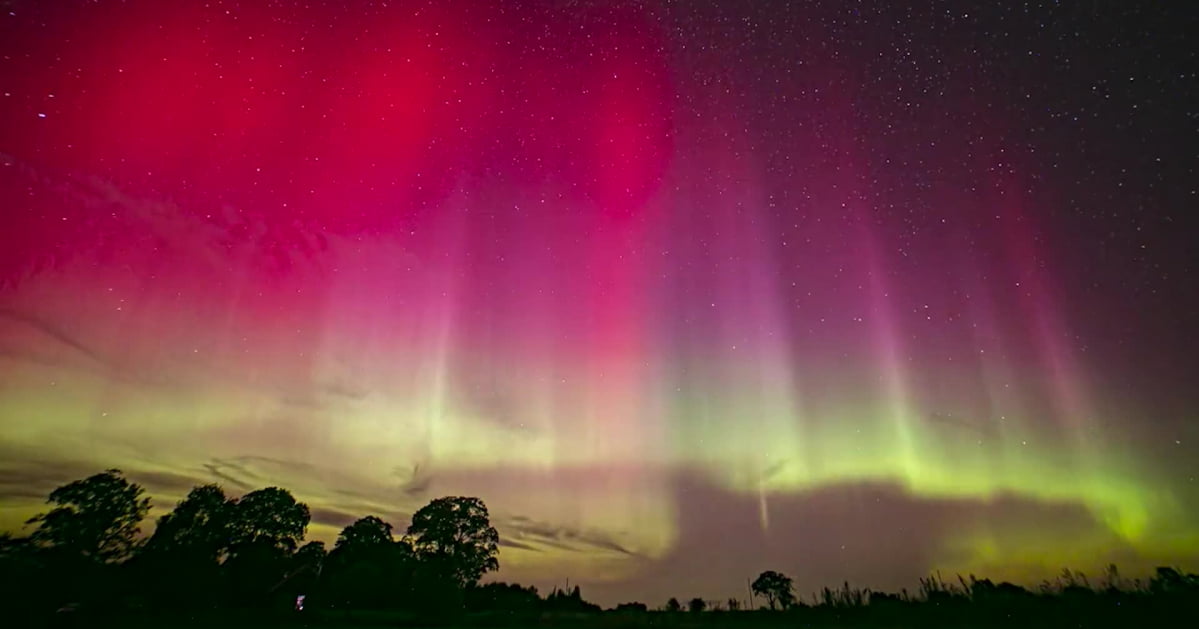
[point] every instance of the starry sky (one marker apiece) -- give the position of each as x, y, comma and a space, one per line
683, 290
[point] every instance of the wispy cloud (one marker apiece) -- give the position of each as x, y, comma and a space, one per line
521, 532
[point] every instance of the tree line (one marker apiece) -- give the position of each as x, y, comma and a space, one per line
214, 553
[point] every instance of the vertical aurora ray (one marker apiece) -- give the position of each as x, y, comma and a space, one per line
895, 389
735, 413
1084, 452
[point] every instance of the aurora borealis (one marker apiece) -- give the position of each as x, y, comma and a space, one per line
683, 290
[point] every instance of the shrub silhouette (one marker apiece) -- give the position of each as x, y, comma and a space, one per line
503, 597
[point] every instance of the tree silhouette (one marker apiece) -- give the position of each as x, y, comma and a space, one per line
11, 547
268, 517
368, 567
305, 568
365, 533
197, 529
696, 605
311, 557
776, 587
183, 555
673, 605
96, 518
266, 527
26, 582
455, 536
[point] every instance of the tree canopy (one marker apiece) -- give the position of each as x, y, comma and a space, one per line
368, 567
455, 533
96, 518
776, 587
368, 532
197, 528
269, 517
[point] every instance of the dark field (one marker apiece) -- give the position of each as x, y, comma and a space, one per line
1156, 607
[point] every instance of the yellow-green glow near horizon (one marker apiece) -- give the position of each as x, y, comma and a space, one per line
549, 468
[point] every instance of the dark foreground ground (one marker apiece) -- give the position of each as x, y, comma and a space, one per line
1095, 613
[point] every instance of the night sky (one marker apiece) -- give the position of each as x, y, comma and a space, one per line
683, 290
